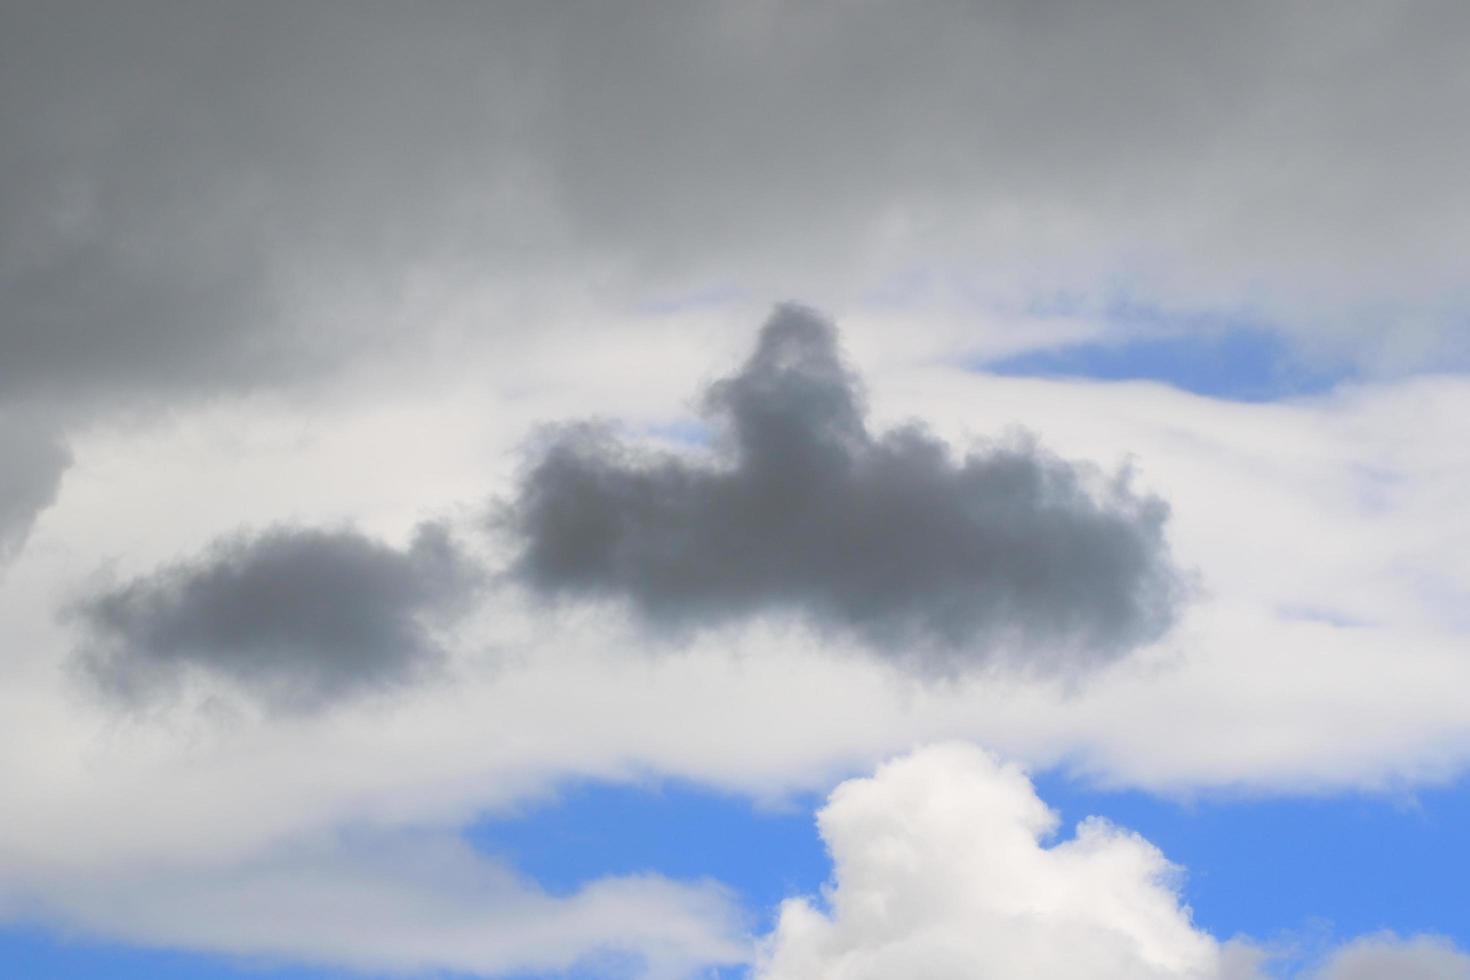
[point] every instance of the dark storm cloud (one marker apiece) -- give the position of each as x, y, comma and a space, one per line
295, 617
884, 534
31, 465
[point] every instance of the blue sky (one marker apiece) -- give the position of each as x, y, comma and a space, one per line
1303, 870
1239, 363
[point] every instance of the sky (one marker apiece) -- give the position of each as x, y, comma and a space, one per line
825, 491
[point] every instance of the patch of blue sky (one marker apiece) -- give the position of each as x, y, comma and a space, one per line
675, 829
1291, 866
1228, 357
1333, 867
37, 954
1299, 868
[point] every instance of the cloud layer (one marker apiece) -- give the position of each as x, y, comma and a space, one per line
197, 201
884, 534
406, 903
296, 617
191, 195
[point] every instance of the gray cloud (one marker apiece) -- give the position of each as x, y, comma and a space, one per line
32, 461
294, 617
195, 197
201, 198
884, 534
1382, 955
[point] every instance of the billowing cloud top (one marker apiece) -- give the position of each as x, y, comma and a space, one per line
294, 617
940, 872
881, 534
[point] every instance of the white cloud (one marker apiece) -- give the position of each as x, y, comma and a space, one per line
1329, 535
947, 866
943, 870
403, 902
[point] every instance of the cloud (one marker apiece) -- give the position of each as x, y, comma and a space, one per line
411, 903
940, 871
296, 617
1387, 955
946, 866
32, 462
1273, 503
883, 534
180, 189
198, 199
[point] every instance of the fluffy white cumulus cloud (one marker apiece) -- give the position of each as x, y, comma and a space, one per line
943, 870
948, 866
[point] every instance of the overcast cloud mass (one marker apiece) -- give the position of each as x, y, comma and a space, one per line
884, 534
200, 197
